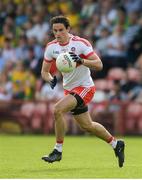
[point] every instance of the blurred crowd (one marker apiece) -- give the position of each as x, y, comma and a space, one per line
114, 27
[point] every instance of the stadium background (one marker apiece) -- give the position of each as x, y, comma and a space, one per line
114, 27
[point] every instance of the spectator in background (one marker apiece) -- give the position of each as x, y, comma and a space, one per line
132, 87
32, 62
132, 5
117, 94
122, 17
37, 48
18, 78
133, 26
101, 47
87, 11
96, 19
5, 87
23, 82
135, 46
130, 34
74, 18
116, 49
9, 53
8, 30
29, 10
22, 48
39, 25
108, 13
65, 6
21, 17
102, 42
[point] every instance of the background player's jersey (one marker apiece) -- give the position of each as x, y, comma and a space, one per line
81, 75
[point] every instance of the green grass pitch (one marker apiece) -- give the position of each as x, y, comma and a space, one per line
83, 157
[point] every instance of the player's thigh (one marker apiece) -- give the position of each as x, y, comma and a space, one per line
84, 120
66, 104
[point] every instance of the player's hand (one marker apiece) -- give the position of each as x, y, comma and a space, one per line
53, 82
76, 58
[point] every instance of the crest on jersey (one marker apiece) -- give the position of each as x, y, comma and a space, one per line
73, 49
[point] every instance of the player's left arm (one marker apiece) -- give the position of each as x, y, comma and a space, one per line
87, 55
93, 62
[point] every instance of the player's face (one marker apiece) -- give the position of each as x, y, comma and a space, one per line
60, 32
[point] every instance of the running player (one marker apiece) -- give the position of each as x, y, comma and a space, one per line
78, 87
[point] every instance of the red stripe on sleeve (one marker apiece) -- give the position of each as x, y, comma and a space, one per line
91, 53
86, 56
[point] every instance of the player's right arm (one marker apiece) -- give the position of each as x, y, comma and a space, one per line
45, 71
46, 65
47, 62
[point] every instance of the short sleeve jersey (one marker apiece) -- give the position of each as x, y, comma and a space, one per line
80, 46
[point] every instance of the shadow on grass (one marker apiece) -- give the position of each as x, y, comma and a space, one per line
55, 170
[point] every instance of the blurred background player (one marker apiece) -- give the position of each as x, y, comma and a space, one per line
78, 87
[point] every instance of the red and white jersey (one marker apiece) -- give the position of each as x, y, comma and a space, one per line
81, 75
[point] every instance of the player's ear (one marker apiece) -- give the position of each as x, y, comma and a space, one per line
68, 28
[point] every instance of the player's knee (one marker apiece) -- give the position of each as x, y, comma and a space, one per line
57, 110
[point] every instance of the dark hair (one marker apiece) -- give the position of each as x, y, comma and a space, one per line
60, 19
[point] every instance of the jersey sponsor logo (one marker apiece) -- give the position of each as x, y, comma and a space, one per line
56, 52
64, 50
